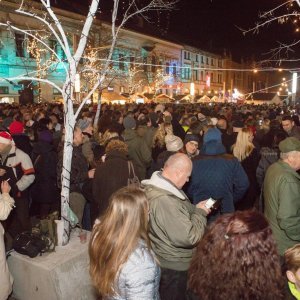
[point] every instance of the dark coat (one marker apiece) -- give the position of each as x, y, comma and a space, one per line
228, 140
44, 189
138, 152
22, 142
219, 176
250, 164
109, 177
268, 157
79, 170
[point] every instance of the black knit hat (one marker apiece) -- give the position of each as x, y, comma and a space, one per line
190, 138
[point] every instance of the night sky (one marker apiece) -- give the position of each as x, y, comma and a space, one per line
212, 25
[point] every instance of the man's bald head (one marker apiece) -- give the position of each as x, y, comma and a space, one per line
178, 169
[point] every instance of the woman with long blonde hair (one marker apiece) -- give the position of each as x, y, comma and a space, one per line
122, 265
243, 146
245, 151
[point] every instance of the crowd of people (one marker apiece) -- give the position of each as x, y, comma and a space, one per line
159, 238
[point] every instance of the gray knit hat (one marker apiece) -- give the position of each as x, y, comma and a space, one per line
173, 143
129, 122
83, 124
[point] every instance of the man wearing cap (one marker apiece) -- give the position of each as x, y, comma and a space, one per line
282, 195
174, 144
16, 166
191, 142
22, 141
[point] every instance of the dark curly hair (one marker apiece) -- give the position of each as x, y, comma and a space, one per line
237, 259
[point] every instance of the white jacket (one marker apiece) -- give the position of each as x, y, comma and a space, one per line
6, 205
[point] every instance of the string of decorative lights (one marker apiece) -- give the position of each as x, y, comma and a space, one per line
267, 69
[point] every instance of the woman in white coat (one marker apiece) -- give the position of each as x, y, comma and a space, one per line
6, 205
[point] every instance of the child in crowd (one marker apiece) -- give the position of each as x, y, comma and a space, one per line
292, 262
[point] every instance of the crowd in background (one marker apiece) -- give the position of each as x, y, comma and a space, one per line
182, 155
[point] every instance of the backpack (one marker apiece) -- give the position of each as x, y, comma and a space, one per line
30, 244
47, 227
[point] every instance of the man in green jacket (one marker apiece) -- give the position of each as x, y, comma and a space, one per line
282, 195
138, 150
176, 225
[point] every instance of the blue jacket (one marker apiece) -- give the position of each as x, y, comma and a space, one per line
219, 176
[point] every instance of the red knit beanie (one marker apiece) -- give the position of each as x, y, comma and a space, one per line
16, 127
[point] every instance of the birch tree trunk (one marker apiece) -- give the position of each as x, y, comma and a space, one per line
97, 116
67, 161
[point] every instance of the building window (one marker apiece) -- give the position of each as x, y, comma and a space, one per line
167, 68
131, 62
202, 75
195, 75
187, 55
220, 63
145, 67
202, 59
207, 61
121, 62
153, 64
122, 89
212, 62
219, 78
212, 77
197, 58
19, 38
174, 71
186, 72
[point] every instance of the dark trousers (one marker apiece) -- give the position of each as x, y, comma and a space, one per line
173, 285
18, 220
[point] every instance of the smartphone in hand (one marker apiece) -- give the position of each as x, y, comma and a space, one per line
212, 204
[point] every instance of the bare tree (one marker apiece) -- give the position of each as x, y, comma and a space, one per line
288, 11
54, 27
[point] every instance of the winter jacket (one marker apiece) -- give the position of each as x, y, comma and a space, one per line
22, 142
295, 132
138, 152
88, 151
176, 225
6, 205
250, 164
282, 204
19, 169
79, 170
268, 157
139, 276
228, 140
45, 159
109, 176
219, 176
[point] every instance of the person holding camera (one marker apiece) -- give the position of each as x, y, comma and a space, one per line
175, 224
